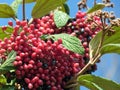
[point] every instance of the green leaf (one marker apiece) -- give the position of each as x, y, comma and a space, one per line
13, 81
6, 33
72, 43
114, 38
93, 45
7, 87
97, 83
43, 7
110, 43
95, 8
8, 64
65, 8
15, 5
110, 48
3, 80
60, 18
89, 85
44, 37
5, 69
6, 11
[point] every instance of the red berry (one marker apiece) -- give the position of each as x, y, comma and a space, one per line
10, 23
18, 22
4, 28
40, 82
27, 80
54, 88
15, 63
46, 62
30, 86
23, 23
31, 62
30, 66
18, 58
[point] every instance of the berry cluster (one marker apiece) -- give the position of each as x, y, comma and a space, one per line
47, 65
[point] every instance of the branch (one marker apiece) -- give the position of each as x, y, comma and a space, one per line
23, 7
82, 4
95, 2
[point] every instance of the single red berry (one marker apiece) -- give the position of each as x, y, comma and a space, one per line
54, 88
4, 28
10, 23
23, 23
18, 22
30, 86
27, 80
40, 82
15, 63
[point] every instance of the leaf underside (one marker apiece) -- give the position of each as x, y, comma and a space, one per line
8, 64
6, 11
43, 7
60, 18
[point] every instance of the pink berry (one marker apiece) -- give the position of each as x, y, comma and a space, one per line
30, 86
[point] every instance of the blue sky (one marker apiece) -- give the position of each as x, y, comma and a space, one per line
110, 63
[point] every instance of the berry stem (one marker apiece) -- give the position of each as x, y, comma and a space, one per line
23, 7
30, 21
15, 18
96, 23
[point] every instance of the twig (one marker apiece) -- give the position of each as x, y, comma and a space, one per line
96, 59
82, 4
84, 69
23, 7
97, 24
95, 2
